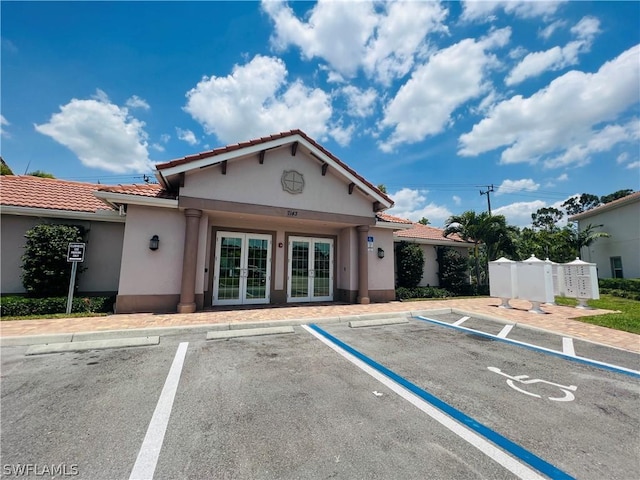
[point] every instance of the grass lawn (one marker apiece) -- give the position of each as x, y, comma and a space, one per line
54, 315
627, 320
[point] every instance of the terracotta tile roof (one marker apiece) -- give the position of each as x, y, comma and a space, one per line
425, 232
633, 197
153, 190
385, 217
256, 141
49, 193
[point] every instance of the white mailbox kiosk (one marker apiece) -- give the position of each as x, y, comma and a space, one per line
503, 281
535, 282
557, 273
581, 281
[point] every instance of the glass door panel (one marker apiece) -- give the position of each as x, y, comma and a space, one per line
322, 269
310, 269
242, 269
299, 274
230, 258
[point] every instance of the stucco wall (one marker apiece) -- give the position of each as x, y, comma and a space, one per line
247, 181
623, 224
381, 270
147, 272
102, 257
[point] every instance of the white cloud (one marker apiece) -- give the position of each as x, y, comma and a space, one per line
165, 137
563, 178
457, 200
102, 134
514, 186
474, 10
519, 213
137, 102
4, 123
551, 28
256, 100
560, 116
157, 147
187, 136
342, 135
634, 165
623, 157
556, 58
382, 38
454, 76
360, 102
412, 204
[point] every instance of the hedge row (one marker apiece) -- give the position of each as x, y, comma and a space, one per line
622, 284
23, 306
621, 293
404, 293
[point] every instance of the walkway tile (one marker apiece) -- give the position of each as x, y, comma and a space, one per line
559, 319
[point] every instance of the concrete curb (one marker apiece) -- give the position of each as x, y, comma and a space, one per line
378, 322
92, 345
35, 339
248, 332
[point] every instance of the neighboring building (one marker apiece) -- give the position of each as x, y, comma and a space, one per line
27, 201
619, 255
430, 240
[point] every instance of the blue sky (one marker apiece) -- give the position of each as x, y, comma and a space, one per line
435, 100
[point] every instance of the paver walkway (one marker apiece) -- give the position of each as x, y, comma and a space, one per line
558, 319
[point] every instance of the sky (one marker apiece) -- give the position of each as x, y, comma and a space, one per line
438, 101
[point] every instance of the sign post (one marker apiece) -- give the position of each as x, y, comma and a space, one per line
75, 255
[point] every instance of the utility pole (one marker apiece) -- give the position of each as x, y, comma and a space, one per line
487, 193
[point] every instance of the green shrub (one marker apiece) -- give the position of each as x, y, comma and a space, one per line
410, 264
622, 284
452, 270
25, 306
45, 270
404, 293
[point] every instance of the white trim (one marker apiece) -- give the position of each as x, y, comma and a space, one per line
119, 198
99, 216
253, 149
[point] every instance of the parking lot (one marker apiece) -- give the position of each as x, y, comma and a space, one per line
437, 397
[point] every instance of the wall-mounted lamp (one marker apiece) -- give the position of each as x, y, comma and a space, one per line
380, 253
154, 242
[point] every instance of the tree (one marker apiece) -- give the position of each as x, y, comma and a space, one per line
410, 264
580, 204
615, 195
45, 270
382, 188
584, 238
41, 174
452, 269
546, 218
424, 221
4, 168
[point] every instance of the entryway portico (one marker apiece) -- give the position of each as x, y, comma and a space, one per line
270, 221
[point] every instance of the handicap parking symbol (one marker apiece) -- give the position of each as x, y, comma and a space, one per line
567, 390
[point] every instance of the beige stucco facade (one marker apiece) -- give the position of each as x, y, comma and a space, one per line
283, 200
104, 240
621, 220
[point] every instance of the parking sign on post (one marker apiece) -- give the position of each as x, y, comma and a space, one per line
75, 255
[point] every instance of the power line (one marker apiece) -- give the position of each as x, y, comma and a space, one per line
487, 193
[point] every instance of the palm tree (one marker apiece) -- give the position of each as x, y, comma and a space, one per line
489, 230
586, 237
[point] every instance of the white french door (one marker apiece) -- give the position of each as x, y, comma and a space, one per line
310, 270
242, 268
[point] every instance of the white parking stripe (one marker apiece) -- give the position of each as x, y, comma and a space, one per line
147, 459
519, 469
461, 321
567, 346
505, 331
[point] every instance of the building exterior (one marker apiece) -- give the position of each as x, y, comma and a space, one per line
617, 256
27, 201
430, 240
273, 220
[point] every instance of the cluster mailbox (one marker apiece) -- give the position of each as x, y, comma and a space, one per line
581, 281
540, 281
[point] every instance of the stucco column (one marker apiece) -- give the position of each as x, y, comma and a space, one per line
363, 265
189, 260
